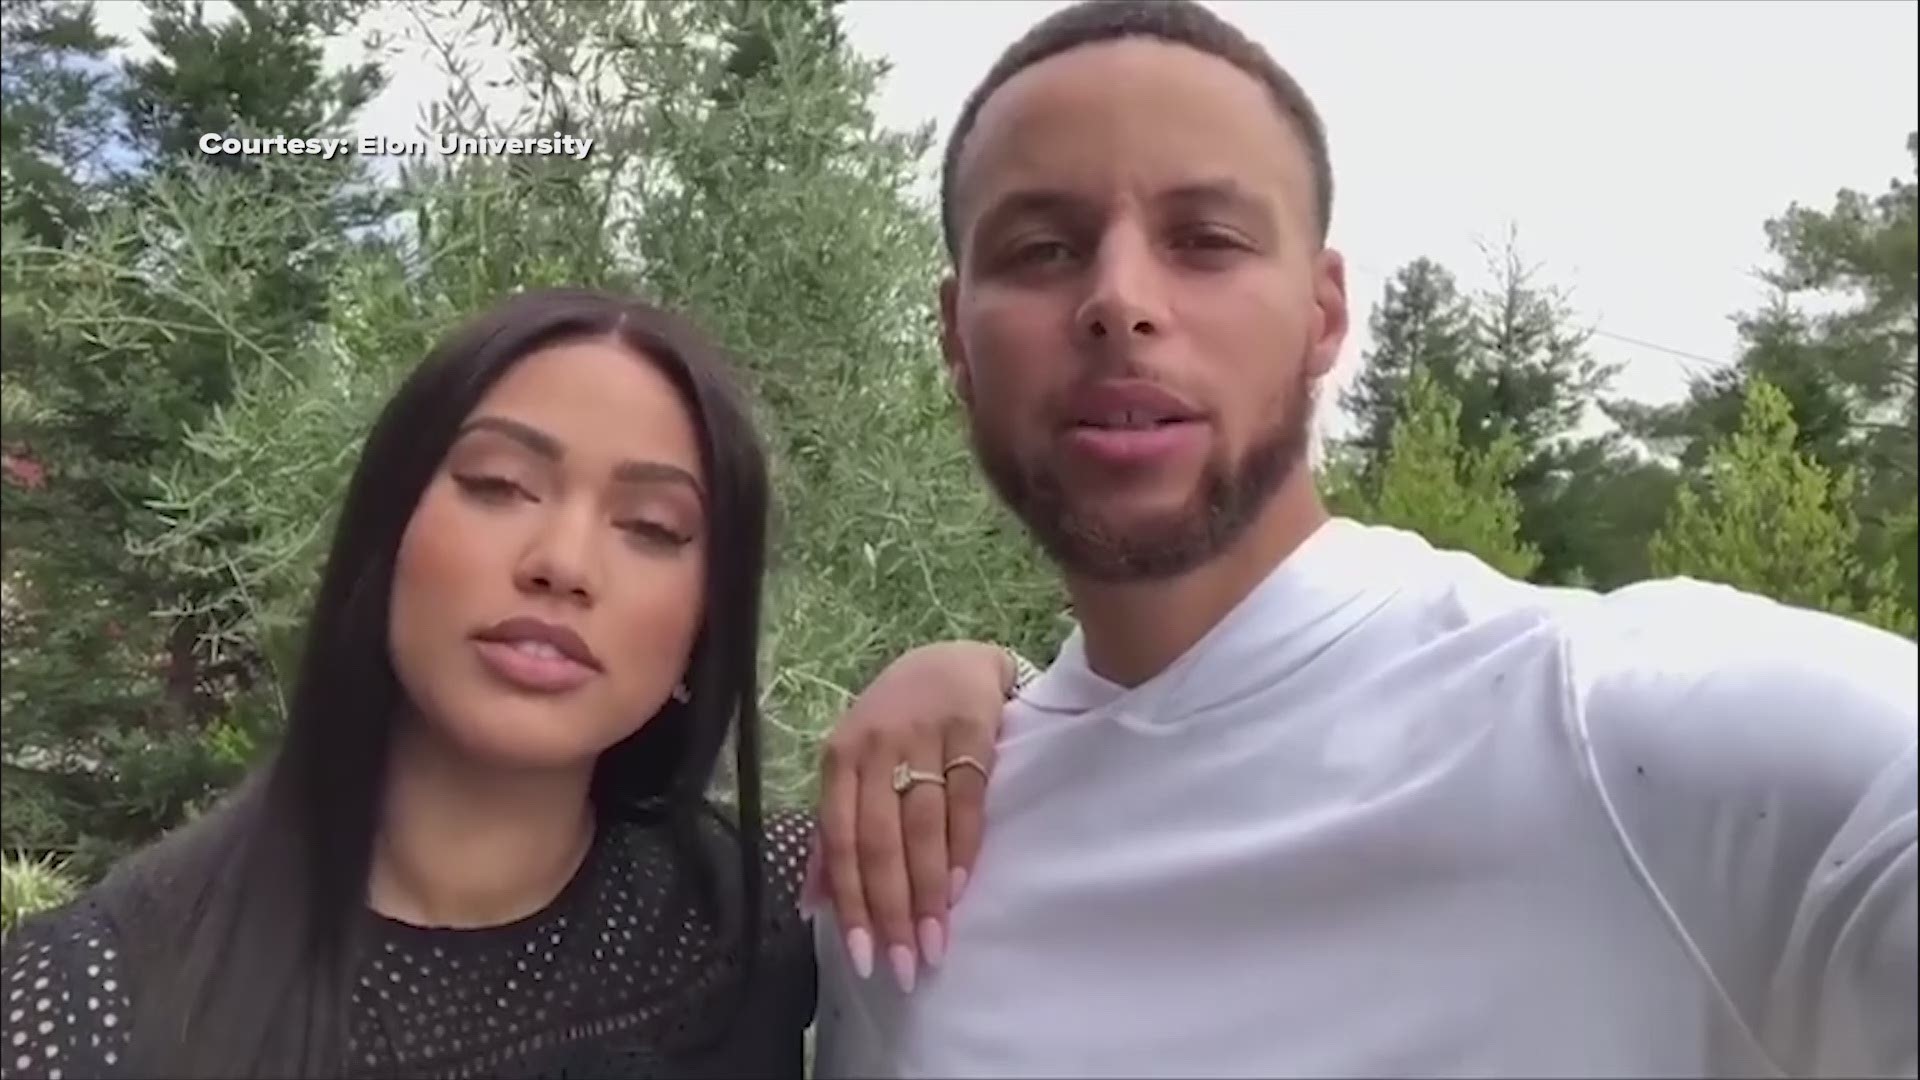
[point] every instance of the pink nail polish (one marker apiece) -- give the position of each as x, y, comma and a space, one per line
860, 951
933, 942
956, 884
903, 966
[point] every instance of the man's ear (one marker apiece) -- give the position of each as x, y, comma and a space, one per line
951, 350
1330, 312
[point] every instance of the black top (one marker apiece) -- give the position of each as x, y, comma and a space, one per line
606, 981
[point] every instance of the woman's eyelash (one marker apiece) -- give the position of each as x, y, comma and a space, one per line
496, 488
652, 531
488, 486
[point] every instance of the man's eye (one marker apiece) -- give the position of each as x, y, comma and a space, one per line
1208, 240
1040, 253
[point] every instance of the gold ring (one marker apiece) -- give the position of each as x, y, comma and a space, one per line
905, 776
968, 761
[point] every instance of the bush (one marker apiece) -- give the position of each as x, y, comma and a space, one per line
31, 885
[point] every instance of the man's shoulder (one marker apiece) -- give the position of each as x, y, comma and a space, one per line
1730, 694
1643, 643
1720, 647
1682, 661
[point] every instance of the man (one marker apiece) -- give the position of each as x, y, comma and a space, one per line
1305, 798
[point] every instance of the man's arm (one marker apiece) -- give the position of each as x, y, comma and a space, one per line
1759, 761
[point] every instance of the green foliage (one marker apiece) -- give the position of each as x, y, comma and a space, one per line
1454, 496
56, 113
195, 348
259, 73
1422, 324
791, 231
1519, 369
181, 281
772, 208
1866, 249
1534, 378
1769, 520
29, 886
1607, 500
1838, 341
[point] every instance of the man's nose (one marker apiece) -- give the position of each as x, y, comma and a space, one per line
1125, 297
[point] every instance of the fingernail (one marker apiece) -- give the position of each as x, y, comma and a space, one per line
956, 884
933, 942
903, 966
860, 951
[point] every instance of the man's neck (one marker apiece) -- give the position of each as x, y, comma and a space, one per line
464, 845
1134, 631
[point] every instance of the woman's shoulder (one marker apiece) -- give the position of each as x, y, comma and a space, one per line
67, 1004
779, 994
785, 844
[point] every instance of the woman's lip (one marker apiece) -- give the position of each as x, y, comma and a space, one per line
548, 674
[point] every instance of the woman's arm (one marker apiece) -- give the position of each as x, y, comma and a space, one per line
903, 785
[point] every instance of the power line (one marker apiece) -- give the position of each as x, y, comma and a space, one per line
1679, 354
1687, 359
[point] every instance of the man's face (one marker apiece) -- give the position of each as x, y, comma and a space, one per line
1142, 305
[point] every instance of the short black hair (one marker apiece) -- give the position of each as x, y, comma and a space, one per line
1179, 22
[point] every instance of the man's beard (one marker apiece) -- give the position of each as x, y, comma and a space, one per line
1227, 499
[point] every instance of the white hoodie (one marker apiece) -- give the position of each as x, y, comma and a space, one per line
1399, 815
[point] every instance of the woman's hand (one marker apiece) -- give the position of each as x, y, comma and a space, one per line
894, 862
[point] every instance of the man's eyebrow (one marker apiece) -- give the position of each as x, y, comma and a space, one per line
1222, 193
1031, 202
545, 445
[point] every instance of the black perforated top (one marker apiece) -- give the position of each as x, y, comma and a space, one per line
617, 977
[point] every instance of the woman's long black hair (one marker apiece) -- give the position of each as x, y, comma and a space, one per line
242, 928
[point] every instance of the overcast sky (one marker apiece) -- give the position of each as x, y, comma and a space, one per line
1636, 147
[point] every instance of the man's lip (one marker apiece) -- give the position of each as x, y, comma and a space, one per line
1100, 401
564, 641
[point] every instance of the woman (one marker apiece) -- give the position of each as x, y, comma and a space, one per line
485, 846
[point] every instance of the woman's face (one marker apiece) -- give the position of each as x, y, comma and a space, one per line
548, 589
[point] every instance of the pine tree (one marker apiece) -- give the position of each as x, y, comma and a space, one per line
1432, 484
1422, 324
1766, 518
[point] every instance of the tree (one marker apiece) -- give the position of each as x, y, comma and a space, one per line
1430, 483
1837, 339
1608, 499
1765, 518
260, 72
1536, 382
1779, 348
121, 334
1865, 249
783, 216
1423, 324
738, 175
1534, 376
1518, 367
57, 117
